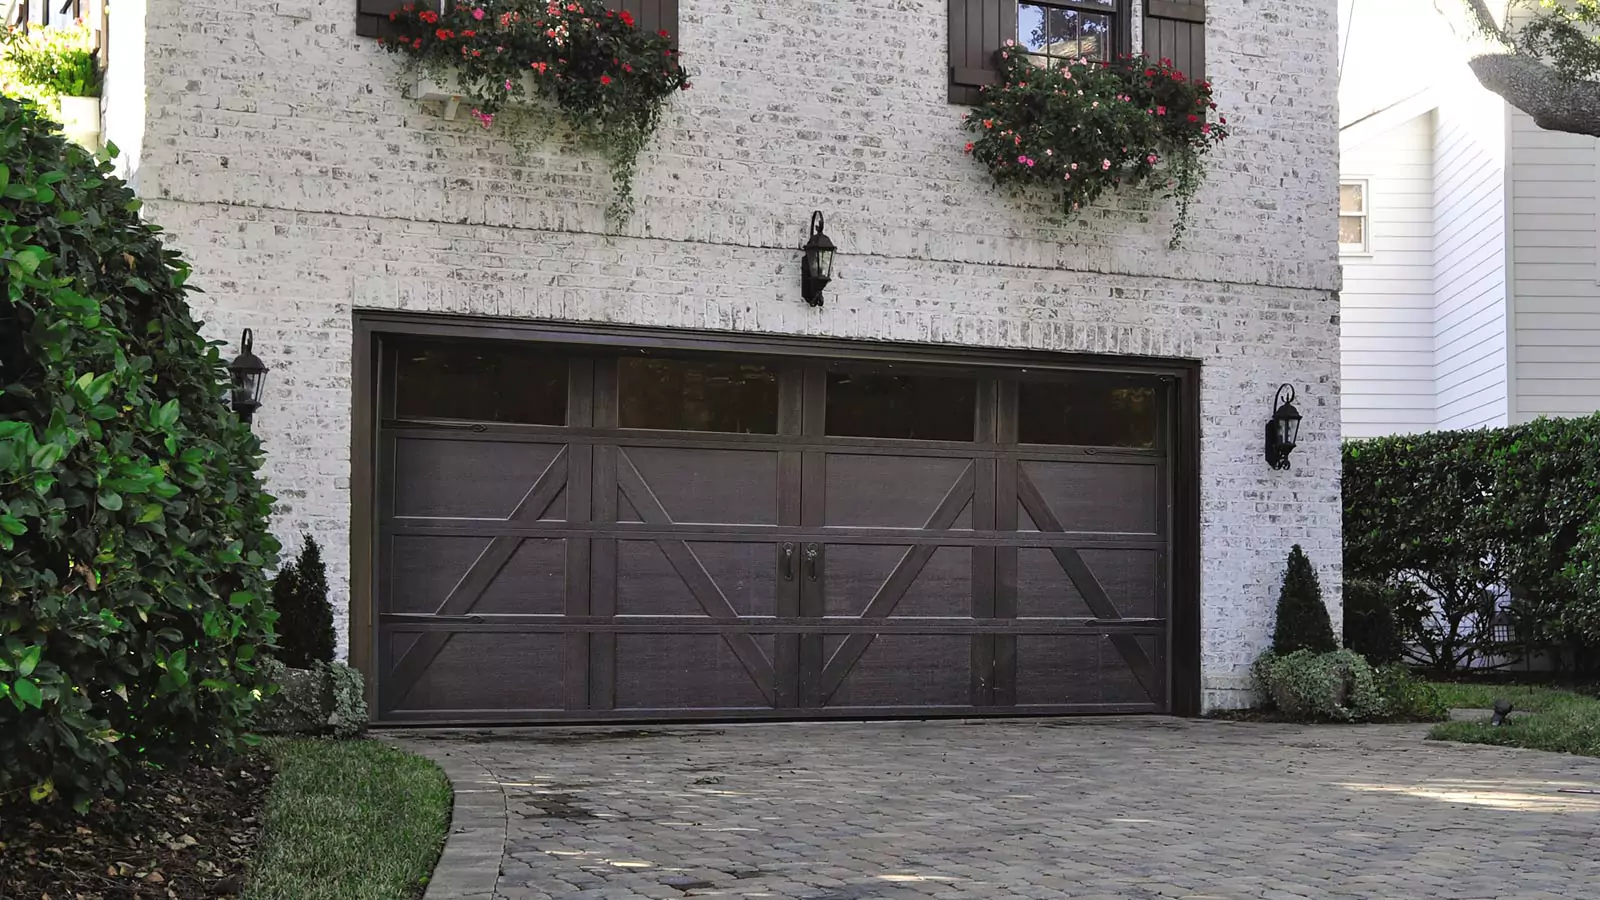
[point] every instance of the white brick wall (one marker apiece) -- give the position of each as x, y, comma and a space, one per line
285, 161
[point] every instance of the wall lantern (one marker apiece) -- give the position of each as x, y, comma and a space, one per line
816, 269
1283, 429
249, 377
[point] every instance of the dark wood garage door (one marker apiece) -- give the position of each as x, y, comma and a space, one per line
571, 532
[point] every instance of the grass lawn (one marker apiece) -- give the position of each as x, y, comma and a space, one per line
1558, 721
349, 820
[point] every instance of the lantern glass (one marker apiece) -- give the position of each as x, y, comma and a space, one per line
1288, 427
822, 263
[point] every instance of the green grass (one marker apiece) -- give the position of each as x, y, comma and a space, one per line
349, 820
1557, 721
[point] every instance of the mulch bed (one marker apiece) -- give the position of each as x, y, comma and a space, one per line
185, 835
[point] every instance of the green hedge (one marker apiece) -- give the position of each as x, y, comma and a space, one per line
133, 531
1458, 515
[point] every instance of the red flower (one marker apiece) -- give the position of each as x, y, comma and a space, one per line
663, 33
969, 146
627, 18
444, 34
605, 79
627, 68
1193, 117
469, 33
416, 44
394, 15
428, 16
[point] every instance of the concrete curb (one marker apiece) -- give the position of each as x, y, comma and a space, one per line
469, 866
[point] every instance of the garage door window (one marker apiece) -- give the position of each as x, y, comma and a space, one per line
698, 395
911, 407
1089, 412
480, 382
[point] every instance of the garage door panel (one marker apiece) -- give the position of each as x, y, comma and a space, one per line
856, 573
468, 479
894, 491
1120, 678
1129, 578
905, 670
1043, 588
1072, 670
1092, 497
704, 486
485, 671
687, 671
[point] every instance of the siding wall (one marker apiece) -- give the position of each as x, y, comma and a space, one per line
1556, 260
1387, 308
1469, 274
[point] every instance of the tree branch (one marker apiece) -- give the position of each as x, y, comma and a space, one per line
1555, 102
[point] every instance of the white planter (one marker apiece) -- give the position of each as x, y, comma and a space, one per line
80, 121
448, 91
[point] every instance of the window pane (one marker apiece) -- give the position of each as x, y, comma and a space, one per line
1352, 198
698, 395
1088, 411
1094, 39
1352, 230
1063, 27
920, 407
1031, 29
481, 381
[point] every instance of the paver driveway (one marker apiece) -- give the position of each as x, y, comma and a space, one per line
1147, 808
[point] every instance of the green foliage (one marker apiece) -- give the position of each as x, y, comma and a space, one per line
132, 524
1307, 685
1567, 33
1302, 622
1557, 721
1449, 518
44, 63
1081, 129
305, 620
327, 698
609, 79
349, 820
1370, 626
1407, 697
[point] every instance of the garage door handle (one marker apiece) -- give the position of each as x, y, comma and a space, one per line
788, 562
812, 552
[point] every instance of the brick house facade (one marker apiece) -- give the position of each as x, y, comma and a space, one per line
278, 148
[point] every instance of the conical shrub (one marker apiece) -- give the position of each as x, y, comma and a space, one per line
1303, 622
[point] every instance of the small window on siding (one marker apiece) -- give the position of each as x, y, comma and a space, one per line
1354, 225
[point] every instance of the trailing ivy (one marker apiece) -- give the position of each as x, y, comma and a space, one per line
609, 79
133, 530
1080, 129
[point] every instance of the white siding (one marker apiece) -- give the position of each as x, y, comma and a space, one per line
125, 87
1556, 259
1387, 308
1469, 273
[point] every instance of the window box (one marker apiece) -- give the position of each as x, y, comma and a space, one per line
449, 91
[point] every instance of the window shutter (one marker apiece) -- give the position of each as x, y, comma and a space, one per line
978, 28
651, 15
372, 16
1176, 30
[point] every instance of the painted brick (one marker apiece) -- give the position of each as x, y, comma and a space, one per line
282, 155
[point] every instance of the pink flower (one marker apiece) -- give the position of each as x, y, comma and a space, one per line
478, 14
1151, 159
969, 146
1161, 110
1025, 161
1095, 105
483, 117
1105, 164
508, 84
1206, 128
1074, 167
1069, 177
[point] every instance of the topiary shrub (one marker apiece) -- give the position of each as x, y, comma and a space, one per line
305, 620
133, 530
326, 699
1370, 626
1303, 622
1336, 687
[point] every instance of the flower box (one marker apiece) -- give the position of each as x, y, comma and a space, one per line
449, 90
80, 121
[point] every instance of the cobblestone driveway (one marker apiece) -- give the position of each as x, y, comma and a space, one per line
1148, 808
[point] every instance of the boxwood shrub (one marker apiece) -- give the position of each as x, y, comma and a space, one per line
133, 530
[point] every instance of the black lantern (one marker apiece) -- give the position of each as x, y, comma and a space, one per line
249, 377
816, 269
1283, 429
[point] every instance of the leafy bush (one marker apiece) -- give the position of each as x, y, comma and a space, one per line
132, 525
1338, 687
1452, 518
43, 63
1370, 626
610, 80
305, 620
326, 699
1407, 697
1303, 622
1086, 127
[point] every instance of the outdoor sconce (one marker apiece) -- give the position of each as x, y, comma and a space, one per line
1283, 429
816, 268
249, 377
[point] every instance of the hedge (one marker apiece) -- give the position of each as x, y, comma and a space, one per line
1459, 516
133, 530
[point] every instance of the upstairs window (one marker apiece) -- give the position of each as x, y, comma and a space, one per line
1057, 31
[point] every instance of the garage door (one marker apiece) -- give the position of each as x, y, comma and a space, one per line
570, 532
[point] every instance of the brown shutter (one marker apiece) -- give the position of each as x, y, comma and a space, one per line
978, 28
651, 15
1176, 30
373, 15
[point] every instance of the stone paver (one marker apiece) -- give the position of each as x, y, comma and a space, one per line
1042, 810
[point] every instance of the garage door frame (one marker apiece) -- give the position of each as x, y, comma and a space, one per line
371, 327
